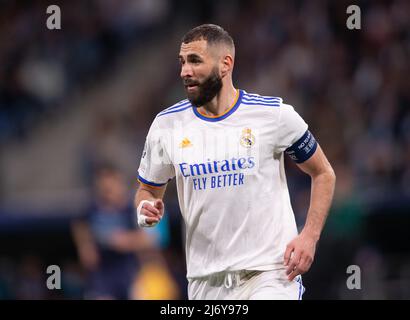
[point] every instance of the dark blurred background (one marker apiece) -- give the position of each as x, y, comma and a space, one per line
75, 99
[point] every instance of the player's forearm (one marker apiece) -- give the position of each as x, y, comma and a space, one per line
82, 236
146, 193
322, 191
143, 195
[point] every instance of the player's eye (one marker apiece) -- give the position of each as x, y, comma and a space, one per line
194, 60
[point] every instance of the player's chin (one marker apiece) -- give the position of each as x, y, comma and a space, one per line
192, 96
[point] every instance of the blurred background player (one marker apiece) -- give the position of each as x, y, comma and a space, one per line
108, 242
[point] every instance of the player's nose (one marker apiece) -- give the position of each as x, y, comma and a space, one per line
186, 71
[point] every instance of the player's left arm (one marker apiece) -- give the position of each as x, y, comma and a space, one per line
300, 251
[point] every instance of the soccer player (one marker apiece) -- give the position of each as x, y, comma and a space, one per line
107, 240
226, 149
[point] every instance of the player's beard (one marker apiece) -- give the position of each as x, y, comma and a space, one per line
206, 91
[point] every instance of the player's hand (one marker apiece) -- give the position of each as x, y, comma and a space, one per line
120, 241
89, 257
299, 255
152, 213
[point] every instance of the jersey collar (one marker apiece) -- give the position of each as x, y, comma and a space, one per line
226, 114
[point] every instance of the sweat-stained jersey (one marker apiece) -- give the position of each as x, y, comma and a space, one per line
230, 178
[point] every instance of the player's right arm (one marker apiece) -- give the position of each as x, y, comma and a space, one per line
149, 204
154, 172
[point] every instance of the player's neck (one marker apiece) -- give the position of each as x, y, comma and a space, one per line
221, 103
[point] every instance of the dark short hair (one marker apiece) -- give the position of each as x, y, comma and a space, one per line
212, 33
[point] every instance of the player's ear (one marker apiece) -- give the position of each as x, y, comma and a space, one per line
226, 65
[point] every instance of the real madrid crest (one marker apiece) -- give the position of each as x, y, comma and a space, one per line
247, 138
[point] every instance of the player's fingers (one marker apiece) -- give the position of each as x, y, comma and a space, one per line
304, 264
147, 213
291, 267
150, 209
294, 261
294, 274
288, 252
151, 220
147, 221
159, 204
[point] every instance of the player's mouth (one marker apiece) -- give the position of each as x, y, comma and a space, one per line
191, 87
190, 84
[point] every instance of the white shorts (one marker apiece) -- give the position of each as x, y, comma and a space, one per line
246, 285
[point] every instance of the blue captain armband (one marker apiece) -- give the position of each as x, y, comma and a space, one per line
302, 149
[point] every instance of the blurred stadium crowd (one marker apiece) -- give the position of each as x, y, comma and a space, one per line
96, 84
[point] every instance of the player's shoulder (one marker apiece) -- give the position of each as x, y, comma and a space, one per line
258, 100
267, 105
178, 112
175, 110
255, 100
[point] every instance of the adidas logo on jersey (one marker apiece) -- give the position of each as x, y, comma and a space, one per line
185, 143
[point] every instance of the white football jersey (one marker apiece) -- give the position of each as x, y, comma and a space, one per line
230, 178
